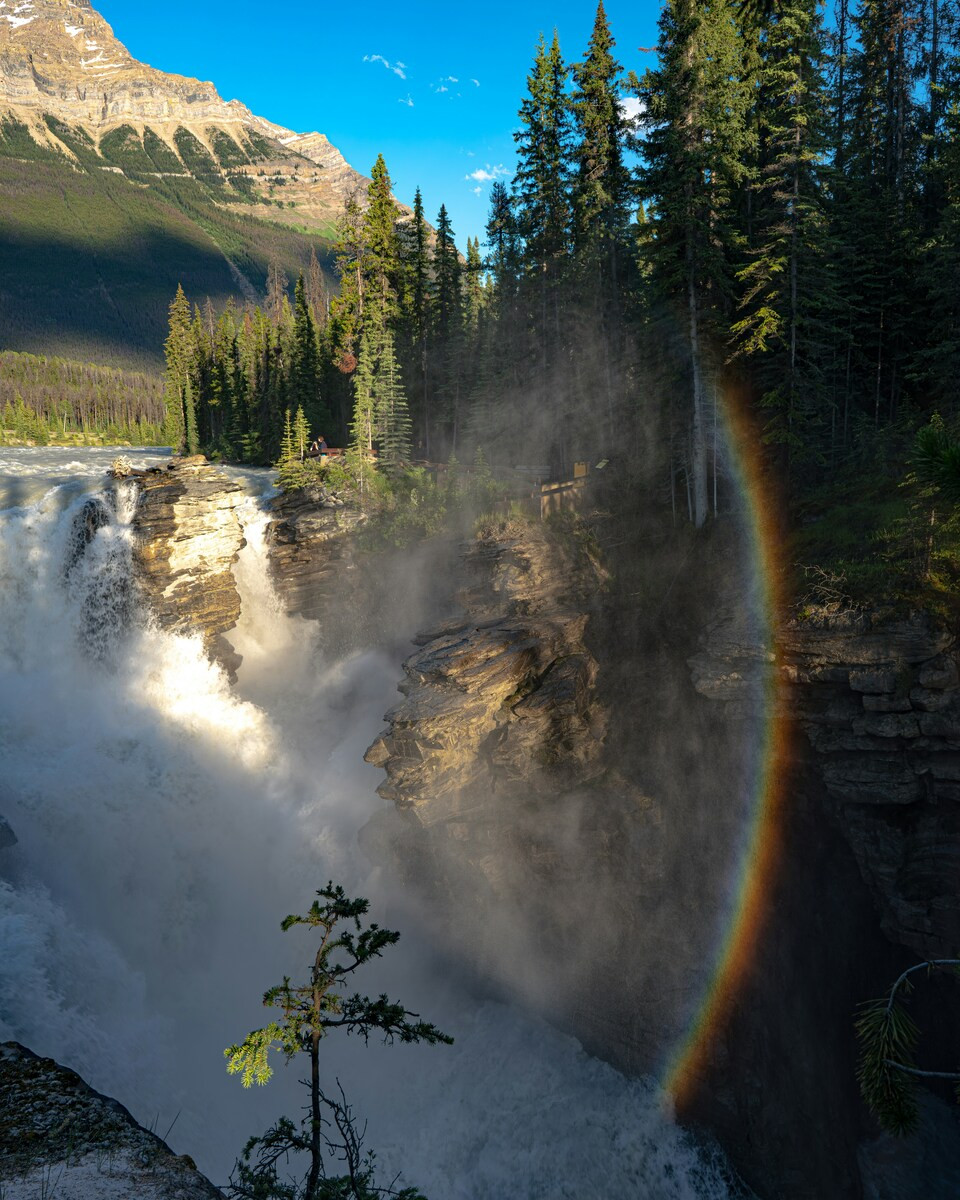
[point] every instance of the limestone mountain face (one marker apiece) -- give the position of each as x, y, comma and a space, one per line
61, 65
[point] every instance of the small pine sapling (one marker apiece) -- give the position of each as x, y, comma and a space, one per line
309, 1012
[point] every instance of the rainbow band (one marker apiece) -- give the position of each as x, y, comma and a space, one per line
763, 846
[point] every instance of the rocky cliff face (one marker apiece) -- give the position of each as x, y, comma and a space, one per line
869, 829
188, 536
311, 550
878, 701
60, 62
601, 900
59, 1136
500, 697
514, 820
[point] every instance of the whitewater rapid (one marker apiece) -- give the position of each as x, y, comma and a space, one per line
168, 821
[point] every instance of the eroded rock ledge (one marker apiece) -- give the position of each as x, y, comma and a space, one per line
188, 536
60, 1137
311, 548
499, 697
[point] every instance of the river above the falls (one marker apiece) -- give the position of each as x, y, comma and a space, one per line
168, 820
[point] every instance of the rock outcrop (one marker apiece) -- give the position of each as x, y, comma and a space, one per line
508, 816
188, 536
879, 703
500, 698
60, 1137
311, 549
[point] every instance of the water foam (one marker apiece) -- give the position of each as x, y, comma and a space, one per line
167, 822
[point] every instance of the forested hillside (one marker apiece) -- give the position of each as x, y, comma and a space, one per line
43, 399
89, 258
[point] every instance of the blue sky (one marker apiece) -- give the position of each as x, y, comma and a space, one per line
325, 66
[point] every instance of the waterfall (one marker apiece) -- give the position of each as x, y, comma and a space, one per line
167, 822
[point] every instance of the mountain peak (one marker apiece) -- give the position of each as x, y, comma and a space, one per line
62, 66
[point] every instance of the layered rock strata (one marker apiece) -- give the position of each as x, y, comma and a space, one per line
59, 1136
311, 549
188, 536
879, 703
500, 697
61, 62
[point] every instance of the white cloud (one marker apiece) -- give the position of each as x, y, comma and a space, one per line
477, 191
397, 68
441, 88
631, 107
452, 79
476, 81
488, 174
408, 101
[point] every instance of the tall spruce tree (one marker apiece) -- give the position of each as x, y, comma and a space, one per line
447, 328
542, 191
783, 328
392, 413
696, 148
602, 187
413, 325
178, 355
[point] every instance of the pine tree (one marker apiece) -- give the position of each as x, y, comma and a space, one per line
695, 146
301, 433
877, 208
288, 446
503, 257
447, 323
346, 308
542, 185
308, 1013
392, 414
304, 387
383, 257
788, 289
363, 424
414, 324
178, 352
602, 188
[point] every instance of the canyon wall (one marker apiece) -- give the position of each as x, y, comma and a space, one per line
571, 773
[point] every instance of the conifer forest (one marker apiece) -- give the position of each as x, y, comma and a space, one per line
781, 219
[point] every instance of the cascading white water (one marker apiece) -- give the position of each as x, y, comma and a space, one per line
166, 824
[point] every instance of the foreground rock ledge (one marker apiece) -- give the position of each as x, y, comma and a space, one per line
58, 1137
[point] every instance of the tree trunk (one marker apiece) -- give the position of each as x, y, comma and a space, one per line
316, 1151
698, 431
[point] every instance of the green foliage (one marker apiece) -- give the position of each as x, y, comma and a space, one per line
936, 461
160, 154
123, 148
888, 1038
309, 1012
53, 399
16, 141
196, 158
93, 258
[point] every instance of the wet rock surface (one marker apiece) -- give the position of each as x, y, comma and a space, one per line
60, 1137
188, 536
